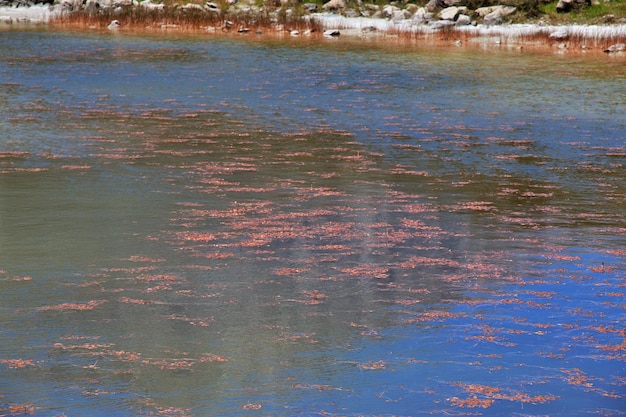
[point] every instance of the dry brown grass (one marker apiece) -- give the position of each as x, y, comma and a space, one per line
580, 38
189, 20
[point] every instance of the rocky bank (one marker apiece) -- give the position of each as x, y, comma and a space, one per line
456, 19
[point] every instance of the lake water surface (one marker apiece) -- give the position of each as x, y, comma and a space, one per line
199, 226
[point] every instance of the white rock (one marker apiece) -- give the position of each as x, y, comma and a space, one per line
422, 15
152, 6
449, 13
559, 34
498, 10
334, 5
389, 10
618, 47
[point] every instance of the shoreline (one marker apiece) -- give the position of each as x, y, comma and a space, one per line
610, 38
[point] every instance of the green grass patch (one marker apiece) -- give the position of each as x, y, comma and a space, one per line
592, 14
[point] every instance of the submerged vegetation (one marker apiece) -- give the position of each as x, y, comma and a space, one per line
199, 227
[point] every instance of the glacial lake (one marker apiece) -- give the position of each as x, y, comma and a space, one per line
212, 226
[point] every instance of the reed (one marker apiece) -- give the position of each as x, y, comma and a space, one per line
188, 19
572, 35
281, 20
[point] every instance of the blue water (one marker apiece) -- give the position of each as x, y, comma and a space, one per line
205, 226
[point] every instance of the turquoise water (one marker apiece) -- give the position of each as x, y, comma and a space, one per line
198, 226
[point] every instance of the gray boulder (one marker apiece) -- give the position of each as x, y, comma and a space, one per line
122, 3
400, 15
494, 15
434, 5
334, 5
564, 6
422, 16
463, 20
91, 6
389, 10
499, 9
192, 6
449, 13
152, 6
70, 4
450, 3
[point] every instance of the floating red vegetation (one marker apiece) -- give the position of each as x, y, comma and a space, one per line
164, 278
183, 363
484, 396
198, 321
139, 301
366, 271
286, 271
374, 365
471, 402
474, 205
438, 316
173, 412
13, 154
75, 167
17, 409
16, 278
17, 363
315, 295
145, 259
415, 261
74, 306
576, 376
406, 302
297, 337
196, 236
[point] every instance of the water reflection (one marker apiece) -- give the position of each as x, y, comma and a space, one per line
191, 228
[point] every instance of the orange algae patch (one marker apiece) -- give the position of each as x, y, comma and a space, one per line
173, 412
75, 167
251, 406
489, 394
16, 278
471, 402
17, 363
17, 409
577, 377
139, 258
437, 315
139, 301
74, 306
183, 363
197, 236
374, 365
195, 321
